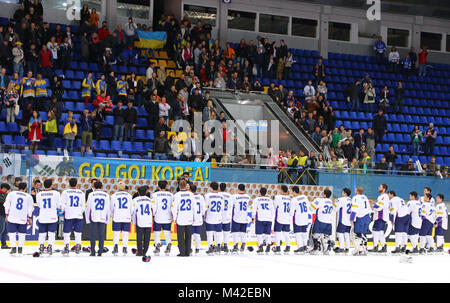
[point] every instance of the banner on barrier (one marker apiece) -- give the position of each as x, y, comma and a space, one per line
49, 166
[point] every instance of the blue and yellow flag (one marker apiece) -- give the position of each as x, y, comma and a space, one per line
154, 40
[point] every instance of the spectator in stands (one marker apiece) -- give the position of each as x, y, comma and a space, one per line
407, 168
379, 125
164, 108
322, 90
413, 56
99, 119
27, 112
365, 162
84, 47
384, 98
280, 69
416, 139
4, 84
423, 61
353, 95
85, 15
309, 91
407, 66
360, 140
394, 59
94, 18
70, 132
130, 30
51, 128
32, 59
161, 126
369, 98
152, 108
18, 60
370, 142
40, 93
391, 157
432, 167
119, 120
86, 123
289, 62
381, 167
46, 62
195, 102
35, 130
192, 146
207, 111
349, 151
28, 90
319, 71
130, 122
122, 89
334, 165
398, 103
430, 139
11, 101
56, 106
325, 143
380, 48
161, 147
317, 135
87, 87
103, 32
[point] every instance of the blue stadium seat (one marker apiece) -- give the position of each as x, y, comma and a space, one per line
127, 146
109, 120
69, 106
116, 146
135, 156
79, 75
148, 146
79, 107
7, 140
139, 147
125, 156
112, 155
19, 140
150, 135
52, 153
140, 134
13, 127
78, 154
40, 152
100, 155
104, 145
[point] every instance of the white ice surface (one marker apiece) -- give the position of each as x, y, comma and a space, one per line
246, 267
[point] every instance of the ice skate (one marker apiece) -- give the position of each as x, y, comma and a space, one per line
396, 251
210, 251
124, 250
218, 249
13, 251
157, 249
115, 250
287, 250
242, 247
225, 248
20, 251
235, 249
77, 249
50, 250
167, 251
260, 250
276, 250
66, 251
383, 249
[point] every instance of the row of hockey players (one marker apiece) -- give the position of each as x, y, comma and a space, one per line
226, 215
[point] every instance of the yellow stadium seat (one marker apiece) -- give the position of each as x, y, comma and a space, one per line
154, 61
162, 63
213, 163
170, 134
171, 64
266, 89
163, 55
178, 73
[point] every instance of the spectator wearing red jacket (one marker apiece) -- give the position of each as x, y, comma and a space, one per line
46, 62
423, 61
103, 32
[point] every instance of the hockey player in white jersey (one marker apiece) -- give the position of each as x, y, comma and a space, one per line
263, 213
427, 190
48, 201
98, 213
199, 212
300, 210
241, 208
142, 218
380, 218
121, 207
428, 220
19, 212
226, 215
162, 204
73, 204
324, 208
361, 217
282, 225
400, 219
441, 222
213, 218
415, 213
344, 210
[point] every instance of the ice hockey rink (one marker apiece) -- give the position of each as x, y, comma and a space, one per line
246, 267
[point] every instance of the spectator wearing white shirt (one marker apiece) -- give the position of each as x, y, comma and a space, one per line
394, 59
164, 109
309, 91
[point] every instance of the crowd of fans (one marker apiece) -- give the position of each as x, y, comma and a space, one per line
32, 50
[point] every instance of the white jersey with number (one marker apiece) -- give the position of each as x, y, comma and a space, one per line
344, 209
121, 207
227, 207
300, 209
162, 202
183, 208
73, 203
282, 209
142, 212
214, 208
19, 207
263, 209
98, 207
381, 208
429, 212
241, 208
199, 210
324, 209
442, 215
398, 207
360, 207
415, 210
48, 203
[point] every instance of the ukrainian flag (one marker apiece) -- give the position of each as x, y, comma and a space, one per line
154, 40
